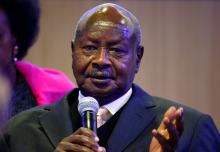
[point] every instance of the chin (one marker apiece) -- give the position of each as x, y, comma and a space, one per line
100, 92
96, 91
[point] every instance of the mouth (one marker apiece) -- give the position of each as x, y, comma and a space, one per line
100, 83
100, 77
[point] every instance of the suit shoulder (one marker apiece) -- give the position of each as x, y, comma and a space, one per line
30, 116
164, 104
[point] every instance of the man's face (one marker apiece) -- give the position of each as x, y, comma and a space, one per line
105, 60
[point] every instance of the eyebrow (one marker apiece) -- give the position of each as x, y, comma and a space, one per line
114, 42
98, 41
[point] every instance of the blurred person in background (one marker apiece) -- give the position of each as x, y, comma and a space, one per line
31, 85
5, 89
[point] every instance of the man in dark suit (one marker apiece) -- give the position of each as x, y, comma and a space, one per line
106, 54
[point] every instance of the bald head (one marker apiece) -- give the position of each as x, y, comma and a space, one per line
109, 15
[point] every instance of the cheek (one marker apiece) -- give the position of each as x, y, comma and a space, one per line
79, 64
125, 71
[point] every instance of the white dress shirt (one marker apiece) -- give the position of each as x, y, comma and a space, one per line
116, 105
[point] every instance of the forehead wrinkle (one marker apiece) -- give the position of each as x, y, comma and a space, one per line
115, 30
112, 41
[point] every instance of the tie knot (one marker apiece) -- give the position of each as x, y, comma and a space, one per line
103, 115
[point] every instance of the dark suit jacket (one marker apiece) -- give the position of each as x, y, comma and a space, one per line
41, 129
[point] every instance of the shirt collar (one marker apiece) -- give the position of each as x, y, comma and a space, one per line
114, 106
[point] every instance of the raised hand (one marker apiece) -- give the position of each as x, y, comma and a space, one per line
83, 140
166, 137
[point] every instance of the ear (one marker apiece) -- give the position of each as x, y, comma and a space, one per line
72, 48
72, 45
139, 55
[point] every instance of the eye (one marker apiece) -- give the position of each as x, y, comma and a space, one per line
117, 51
89, 48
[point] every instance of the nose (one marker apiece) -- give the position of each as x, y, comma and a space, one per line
101, 58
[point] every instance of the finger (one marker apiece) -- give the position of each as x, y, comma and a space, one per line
179, 120
58, 149
162, 140
82, 141
172, 132
170, 114
101, 149
66, 146
86, 132
170, 111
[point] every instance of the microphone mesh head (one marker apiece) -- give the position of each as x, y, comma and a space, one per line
88, 103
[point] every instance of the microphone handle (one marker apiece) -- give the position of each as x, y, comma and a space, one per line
89, 120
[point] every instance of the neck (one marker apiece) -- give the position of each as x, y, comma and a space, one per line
103, 100
107, 99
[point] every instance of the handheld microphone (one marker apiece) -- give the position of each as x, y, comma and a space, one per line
88, 108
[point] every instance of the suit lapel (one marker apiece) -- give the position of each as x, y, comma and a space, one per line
135, 117
57, 122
